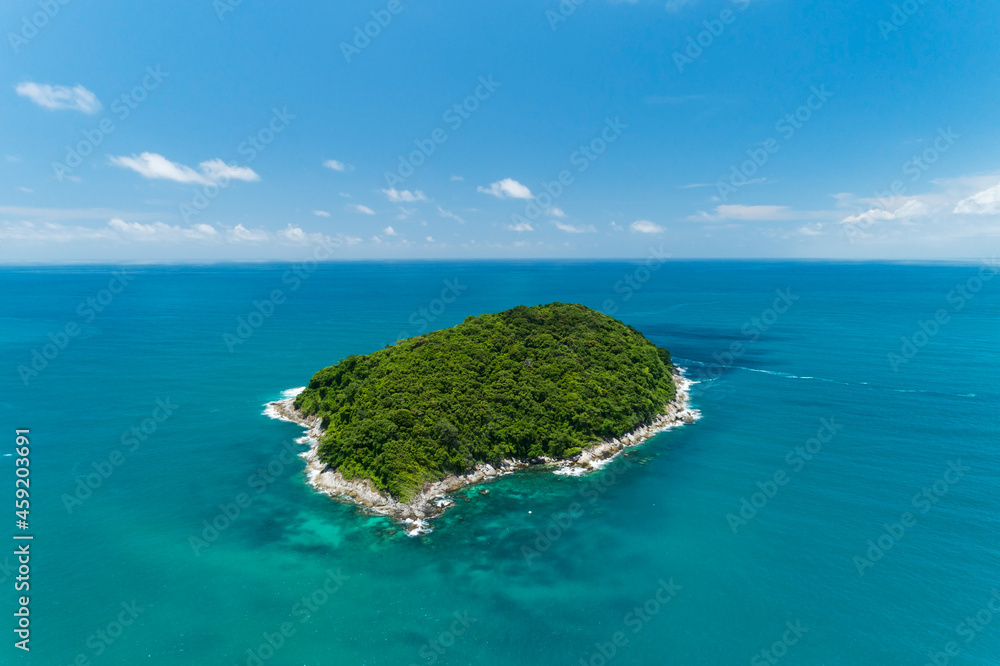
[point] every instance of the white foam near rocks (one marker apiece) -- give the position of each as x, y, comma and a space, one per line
433, 499
678, 413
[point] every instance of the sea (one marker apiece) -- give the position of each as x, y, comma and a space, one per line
836, 503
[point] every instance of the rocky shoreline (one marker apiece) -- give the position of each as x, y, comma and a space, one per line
433, 500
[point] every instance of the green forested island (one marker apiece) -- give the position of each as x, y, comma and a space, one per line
524, 383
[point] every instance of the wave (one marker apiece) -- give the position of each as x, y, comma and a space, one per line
788, 375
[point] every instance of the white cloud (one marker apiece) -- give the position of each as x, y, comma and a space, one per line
572, 229
645, 227
240, 234
293, 234
429, 239
116, 229
556, 212
159, 232
358, 208
55, 98
450, 215
508, 188
336, 165
119, 230
985, 202
389, 231
217, 171
404, 196
758, 214
456, 179
321, 213
155, 166
521, 226
912, 208
296, 236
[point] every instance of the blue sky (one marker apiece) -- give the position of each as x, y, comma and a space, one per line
199, 130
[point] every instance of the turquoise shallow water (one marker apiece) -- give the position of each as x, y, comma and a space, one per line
648, 559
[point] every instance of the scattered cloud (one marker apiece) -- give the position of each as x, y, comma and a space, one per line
521, 226
404, 196
556, 212
450, 215
358, 208
57, 98
121, 231
218, 171
321, 213
389, 231
456, 179
508, 188
984, 202
155, 166
757, 214
912, 208
573, 229
26, 190
645, 227
337, 165
240, 234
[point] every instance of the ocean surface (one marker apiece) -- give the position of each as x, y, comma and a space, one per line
837, 503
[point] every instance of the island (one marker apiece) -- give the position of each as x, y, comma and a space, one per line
399, 429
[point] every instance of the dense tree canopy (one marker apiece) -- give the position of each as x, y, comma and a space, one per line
528, 382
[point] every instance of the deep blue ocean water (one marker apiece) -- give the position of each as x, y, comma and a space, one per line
868, 535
